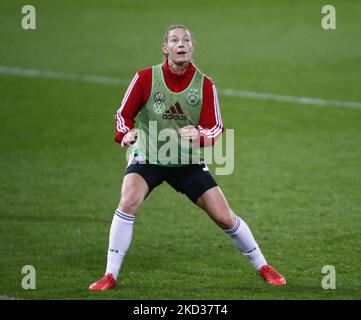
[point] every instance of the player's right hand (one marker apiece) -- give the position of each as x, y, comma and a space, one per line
130, 137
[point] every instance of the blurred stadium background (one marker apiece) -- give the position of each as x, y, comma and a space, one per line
297, 170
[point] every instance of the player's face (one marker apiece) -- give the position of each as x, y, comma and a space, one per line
179, 47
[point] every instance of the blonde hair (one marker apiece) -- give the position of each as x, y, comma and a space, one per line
166, 35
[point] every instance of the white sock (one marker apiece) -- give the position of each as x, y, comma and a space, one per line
120, 237
243, 239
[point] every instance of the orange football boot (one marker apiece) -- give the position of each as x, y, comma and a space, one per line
271, 275
105, 283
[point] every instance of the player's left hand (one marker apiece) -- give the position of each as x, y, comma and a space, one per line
189, 133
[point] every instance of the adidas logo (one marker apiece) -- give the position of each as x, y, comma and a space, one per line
175, 113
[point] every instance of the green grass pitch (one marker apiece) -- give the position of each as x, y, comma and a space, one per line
297, 175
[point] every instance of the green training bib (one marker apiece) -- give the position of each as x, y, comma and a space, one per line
163, 114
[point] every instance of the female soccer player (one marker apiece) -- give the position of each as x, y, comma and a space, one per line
178, 97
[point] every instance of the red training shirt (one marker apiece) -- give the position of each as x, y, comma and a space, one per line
210, 124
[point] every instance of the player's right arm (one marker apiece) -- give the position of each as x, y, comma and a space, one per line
135, 97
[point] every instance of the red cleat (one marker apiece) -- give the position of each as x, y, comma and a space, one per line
272, 276
105, 283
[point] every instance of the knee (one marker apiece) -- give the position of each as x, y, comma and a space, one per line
129, 204
227, 222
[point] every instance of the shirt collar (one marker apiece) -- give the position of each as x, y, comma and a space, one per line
190, 69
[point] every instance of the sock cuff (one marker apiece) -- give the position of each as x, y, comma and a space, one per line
125, 216
235, 227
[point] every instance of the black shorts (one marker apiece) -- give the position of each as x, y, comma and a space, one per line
192, 180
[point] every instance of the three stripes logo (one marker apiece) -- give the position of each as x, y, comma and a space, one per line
175, 113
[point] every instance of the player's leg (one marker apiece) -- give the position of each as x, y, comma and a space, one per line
214, 203
200, 187
134, 190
